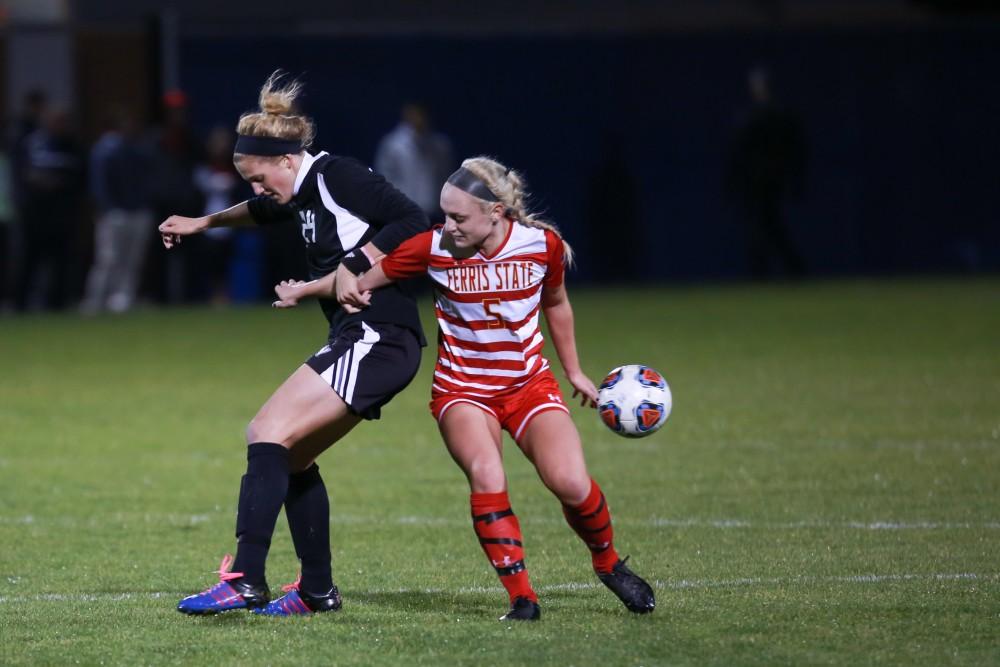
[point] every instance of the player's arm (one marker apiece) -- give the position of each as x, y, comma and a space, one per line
290, 292
174, 228
374, 279
410, 259
559, 314
370, 196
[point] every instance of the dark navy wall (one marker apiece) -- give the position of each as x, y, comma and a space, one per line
904, 169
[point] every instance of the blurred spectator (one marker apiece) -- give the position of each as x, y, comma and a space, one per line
34, 106
767, 165
416, 159
230, 258
52, 188
28, 120
33, 109
177, 152
121, 172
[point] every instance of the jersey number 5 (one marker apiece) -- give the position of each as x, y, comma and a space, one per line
497, 321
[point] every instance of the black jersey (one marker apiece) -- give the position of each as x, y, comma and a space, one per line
342, 205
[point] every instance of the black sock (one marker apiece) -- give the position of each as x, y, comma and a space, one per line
262, 491
307, 508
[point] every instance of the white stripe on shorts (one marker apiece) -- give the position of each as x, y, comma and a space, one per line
359, 352
536, 410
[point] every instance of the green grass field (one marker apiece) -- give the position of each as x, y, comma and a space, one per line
825, 492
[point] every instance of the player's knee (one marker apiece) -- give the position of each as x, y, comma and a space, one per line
263, 429
486, 476
570, 488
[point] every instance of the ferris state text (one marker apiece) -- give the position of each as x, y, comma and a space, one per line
493, 277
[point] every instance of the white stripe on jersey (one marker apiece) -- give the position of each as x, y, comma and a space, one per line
497, 335
436, 387
440, 373
511, 311
517, 270
350, 228
485, 370
498, 355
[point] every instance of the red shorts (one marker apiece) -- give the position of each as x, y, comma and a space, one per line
515, 410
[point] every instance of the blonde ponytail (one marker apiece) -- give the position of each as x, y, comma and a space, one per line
510, 188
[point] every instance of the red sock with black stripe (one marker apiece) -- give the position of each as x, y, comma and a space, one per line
499, 534
592, 522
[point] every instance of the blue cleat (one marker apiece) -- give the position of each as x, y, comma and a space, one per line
297, 601
230, 593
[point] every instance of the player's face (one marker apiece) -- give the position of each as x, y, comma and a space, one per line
270, 177
465, 221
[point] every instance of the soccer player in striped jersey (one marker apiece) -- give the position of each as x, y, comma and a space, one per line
495, 268
349, 217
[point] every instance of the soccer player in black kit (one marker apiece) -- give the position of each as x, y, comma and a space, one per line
350, 217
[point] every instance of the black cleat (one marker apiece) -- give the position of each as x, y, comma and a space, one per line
630, 588
297, 601
523, 609
329, 602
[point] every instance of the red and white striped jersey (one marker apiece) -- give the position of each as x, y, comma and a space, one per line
487, 307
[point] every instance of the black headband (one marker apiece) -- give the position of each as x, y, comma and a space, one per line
267, 146
465, 180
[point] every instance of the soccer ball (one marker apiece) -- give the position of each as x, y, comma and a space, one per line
634, 401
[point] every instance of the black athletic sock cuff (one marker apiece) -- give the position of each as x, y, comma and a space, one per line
312, 472
269, 449
299, 482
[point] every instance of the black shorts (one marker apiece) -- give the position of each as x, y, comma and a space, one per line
368, 364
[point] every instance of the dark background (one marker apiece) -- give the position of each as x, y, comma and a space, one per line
901, 125
621, 115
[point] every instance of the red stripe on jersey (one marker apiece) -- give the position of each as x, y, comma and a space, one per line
556, 260
455, 377
477, 297
473, 298
480, 346
488, 364
441, 385
480, 325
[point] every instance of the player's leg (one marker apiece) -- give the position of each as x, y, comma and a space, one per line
551, 442
302, 406
474, 439
307, 509
364, 367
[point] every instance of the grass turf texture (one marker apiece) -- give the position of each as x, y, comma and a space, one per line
824, 493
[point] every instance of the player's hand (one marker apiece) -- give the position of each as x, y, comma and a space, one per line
288, 292
584, 388
348, 293
365, 302
174, 228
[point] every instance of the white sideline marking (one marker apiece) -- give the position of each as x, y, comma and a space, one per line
683, 584
794, 525
656, 522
